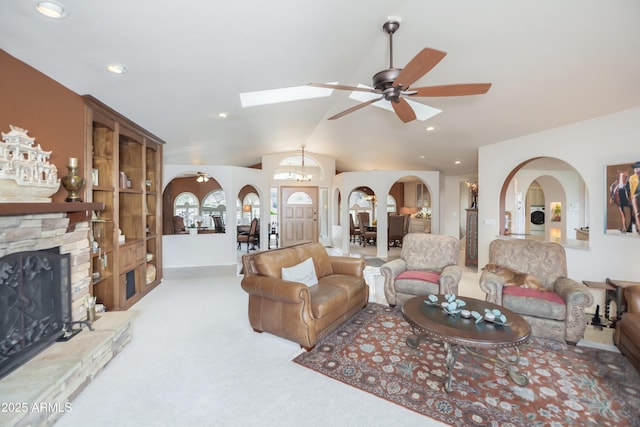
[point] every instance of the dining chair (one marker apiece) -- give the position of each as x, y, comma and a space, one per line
354, 232
395, 230
252, 237
178, 225
367, 235
217, 223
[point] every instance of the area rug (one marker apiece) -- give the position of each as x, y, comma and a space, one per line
568, 385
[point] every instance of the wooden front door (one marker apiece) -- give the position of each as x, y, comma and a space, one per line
299, 215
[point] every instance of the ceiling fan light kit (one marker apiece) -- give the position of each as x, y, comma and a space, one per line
392, 85
202, 177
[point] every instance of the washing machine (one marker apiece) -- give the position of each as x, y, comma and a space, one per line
537, 218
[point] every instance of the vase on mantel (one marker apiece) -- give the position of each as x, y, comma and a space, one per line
73, 182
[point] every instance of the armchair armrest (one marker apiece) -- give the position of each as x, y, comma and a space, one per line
492, 285
350, 266
573, 293
390, 270
276, 289
449, 278
577, 297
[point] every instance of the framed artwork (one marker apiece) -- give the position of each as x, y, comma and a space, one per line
622, 211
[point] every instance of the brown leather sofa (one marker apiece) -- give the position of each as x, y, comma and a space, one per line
627, 335
295, 311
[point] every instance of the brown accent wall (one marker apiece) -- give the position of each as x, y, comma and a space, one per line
53, 114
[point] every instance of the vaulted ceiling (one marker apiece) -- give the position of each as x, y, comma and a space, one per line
550, 62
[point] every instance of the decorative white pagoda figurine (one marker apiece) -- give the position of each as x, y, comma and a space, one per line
25, 172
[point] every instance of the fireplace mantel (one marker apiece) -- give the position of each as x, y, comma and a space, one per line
38, 208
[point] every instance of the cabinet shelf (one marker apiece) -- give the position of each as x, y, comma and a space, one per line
101, 279
102, 188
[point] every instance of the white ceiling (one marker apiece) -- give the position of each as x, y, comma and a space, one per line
551, 63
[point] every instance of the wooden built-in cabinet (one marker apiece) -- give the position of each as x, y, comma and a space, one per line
124, 173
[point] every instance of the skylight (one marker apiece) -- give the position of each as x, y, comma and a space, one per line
274, 96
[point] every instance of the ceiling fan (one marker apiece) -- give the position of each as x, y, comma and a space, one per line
394, 84
200, 176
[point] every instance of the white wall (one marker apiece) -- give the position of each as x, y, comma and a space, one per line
588, 146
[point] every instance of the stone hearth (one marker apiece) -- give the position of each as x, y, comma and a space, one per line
41, 389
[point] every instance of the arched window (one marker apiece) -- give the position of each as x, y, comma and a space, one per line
214, 204
249, 208
187, 206
391, 204
290, 169
299, 198
359, 201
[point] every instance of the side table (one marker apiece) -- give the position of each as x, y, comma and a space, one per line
614, 291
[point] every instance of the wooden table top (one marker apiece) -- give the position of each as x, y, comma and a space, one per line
432, 321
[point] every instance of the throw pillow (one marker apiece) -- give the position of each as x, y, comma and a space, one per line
304, 273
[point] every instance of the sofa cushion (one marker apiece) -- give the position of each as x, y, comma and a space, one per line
416, 287
533, 302
320, 257
427, 276
270, 263
352, 285
327, 301
304, 272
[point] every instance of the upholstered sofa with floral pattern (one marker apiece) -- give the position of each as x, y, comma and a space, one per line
428, 264
556, 314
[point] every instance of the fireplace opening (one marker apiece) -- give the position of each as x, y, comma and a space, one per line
35, 304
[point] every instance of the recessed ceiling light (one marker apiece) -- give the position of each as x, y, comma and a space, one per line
422, 157
223, 115
51, 9
116, 68
430, 128
457, 162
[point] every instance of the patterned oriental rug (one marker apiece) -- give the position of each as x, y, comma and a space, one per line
568, 386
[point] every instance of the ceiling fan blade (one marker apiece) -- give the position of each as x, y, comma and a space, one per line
452, 90
403, 110
420, 65
344, 87
356, 108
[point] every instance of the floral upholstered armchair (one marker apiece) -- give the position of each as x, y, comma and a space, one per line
557, 313
428, 264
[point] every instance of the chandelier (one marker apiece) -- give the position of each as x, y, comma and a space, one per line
202, 177
302, 176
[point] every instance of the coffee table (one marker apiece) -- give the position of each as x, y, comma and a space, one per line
431, 322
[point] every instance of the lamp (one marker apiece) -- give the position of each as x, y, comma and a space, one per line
302, 176
247, 208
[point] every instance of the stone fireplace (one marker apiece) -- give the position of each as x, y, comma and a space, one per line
53, 376
37, 232
35, 305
